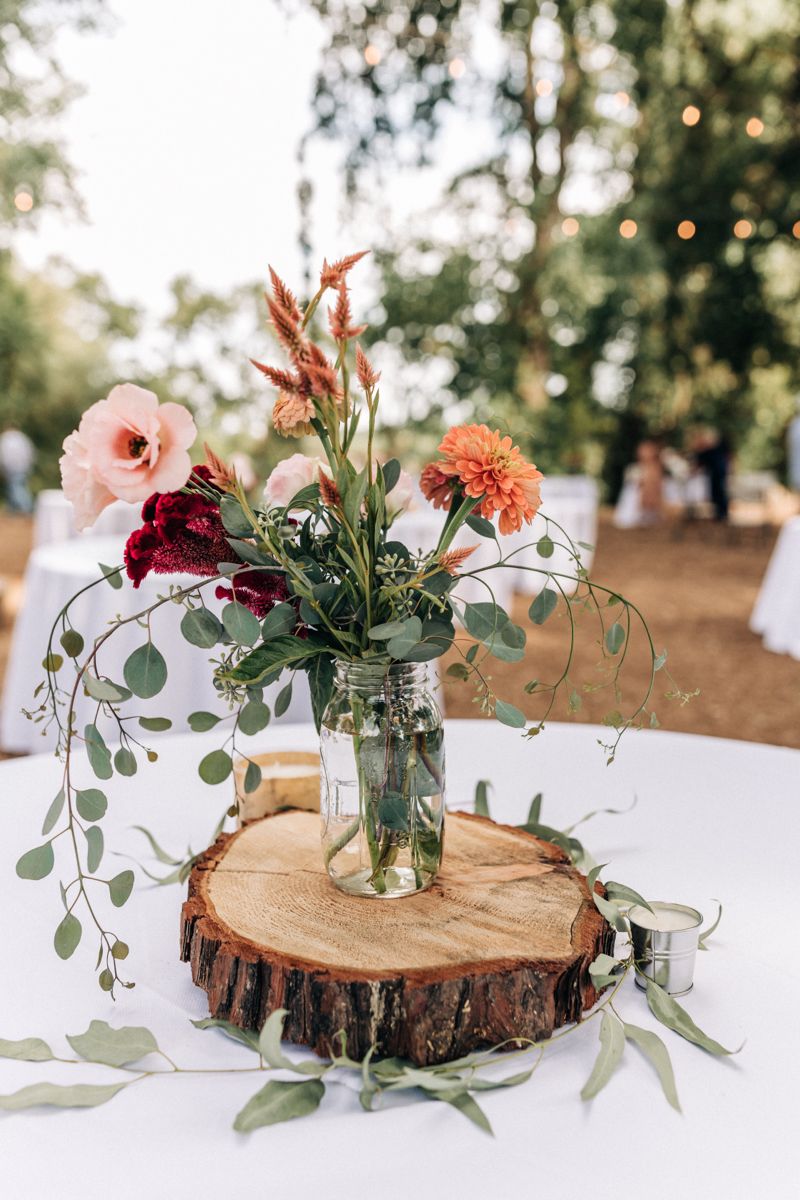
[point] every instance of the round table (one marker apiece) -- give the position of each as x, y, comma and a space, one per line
776, 615
54, 519
55, 573
713, 818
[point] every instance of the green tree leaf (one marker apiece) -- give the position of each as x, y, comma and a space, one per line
508, 714
76, 1095
654, 1049
391, 474
155, 724
279, 620
252, 777
104, 689
386, 631
97, 752
545, 546
120, 888
54, 812
544, 604
145, 671
114, 1047
67, 936
159, 853
406, 639
200, 722
240, 624
112, 575
91, 804
283, 699
611, 913
280, 1101
125, 761
481, 526
94, 847
667, 1010
36, 863
615, 638
621, 891
215, 767
612, 1044
274, 655
28, 1050
484, 620
233, 517
201, 628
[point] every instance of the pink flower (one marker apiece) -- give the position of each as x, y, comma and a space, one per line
126, 448
289, 477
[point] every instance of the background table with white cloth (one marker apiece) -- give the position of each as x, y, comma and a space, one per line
689, 837
776, 615
55, 573
54, 519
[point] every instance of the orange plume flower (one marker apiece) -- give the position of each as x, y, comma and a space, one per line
328, 491
367, 375
220, 474
284, 297
488, 466
340, 317
332, 274
451, 560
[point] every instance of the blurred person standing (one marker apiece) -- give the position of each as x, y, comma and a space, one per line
713, 457
793, 451
16, 462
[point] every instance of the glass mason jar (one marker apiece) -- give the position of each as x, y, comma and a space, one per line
382, 780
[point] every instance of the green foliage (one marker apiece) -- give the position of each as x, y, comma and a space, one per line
280, 1100
215, 767
201, 627
114, 1047
36, 863
91, 804
612, 1044
120, 888
67, 936
145, 671
54, 812
77, 1095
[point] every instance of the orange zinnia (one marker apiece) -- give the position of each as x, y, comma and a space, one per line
292, 415
436, 486
490, 468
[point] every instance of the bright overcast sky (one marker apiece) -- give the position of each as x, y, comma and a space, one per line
185, 144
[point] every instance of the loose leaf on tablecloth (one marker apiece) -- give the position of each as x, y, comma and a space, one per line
704, 936
612, 1044
36, 863
91, 803
114, 1047
654, 1049
145, 671
598, 812
158, 851
67, 936
120, 888
621, 891
28, 1050
465, 1104
269, 1046
246, 1037
78, 1095
675, 1017
482, 797
280, 1101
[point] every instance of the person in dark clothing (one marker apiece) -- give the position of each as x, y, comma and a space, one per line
713, 457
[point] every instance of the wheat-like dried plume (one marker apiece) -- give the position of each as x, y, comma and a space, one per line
284, 297
220, 474
286, 327
285, 381
451, 560
332, 274
328, 491
339, 318
367, 375
320, 372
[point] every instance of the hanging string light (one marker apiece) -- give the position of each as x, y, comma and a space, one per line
544, 87
569, 226
23, 201
628, 228
372, 55
743, 228
691, 114
456, 67
686, 230
754, 127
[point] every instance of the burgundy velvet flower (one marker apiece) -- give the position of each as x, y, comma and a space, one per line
259, 591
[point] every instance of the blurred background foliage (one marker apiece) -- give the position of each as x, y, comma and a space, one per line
552, 129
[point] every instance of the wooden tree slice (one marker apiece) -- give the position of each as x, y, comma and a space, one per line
498, 948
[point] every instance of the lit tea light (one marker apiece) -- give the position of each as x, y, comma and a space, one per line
665, 945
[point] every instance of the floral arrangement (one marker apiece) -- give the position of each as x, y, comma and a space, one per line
309, 579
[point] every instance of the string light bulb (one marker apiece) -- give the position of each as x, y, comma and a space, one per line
796, 229
544, 87
686, 230
691, 114
570, 226
628, 228
23, 201
622, 98
754, 127
456, 67
372, 55
743, 228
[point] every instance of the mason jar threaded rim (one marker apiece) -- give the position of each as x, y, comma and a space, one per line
368, 676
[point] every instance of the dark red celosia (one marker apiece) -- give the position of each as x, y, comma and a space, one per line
259, 591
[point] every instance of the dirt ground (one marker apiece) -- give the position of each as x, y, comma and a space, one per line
697, 591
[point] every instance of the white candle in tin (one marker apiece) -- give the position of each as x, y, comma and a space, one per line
665, 918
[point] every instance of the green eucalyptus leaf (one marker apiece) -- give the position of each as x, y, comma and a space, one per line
484, 620
279, 620
125, 761
667, 1010
466, 1104
383, 633
97, 752
542, 607
612, 1044
704, 936
215, 767
545, 546
201, 627
105, 690
120, 888
253, 718
155, 724
159, 853
27, 1050
252, 777
36, 863
145, 671
654, 1049
508, 714
406, 639
240, 624
615, 638
621, 891
283, 699
54, 812
76, 1095
72, 643
611, 913
457, 670
535, 810
67, 936
120, 950
200, 722
280, 1101
269, 1046
233, 517
91, 804
245, 1037
391, 474
106, 980
481, 526
482, 797
94, 847
112, 575
114, 1047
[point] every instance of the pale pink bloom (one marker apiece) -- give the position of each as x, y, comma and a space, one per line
401, 497
290, 476
126, 447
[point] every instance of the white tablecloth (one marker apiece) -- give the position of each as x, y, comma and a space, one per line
714, 818
55, 573
777, 610
54, 521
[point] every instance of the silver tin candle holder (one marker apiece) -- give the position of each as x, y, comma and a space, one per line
665, 945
